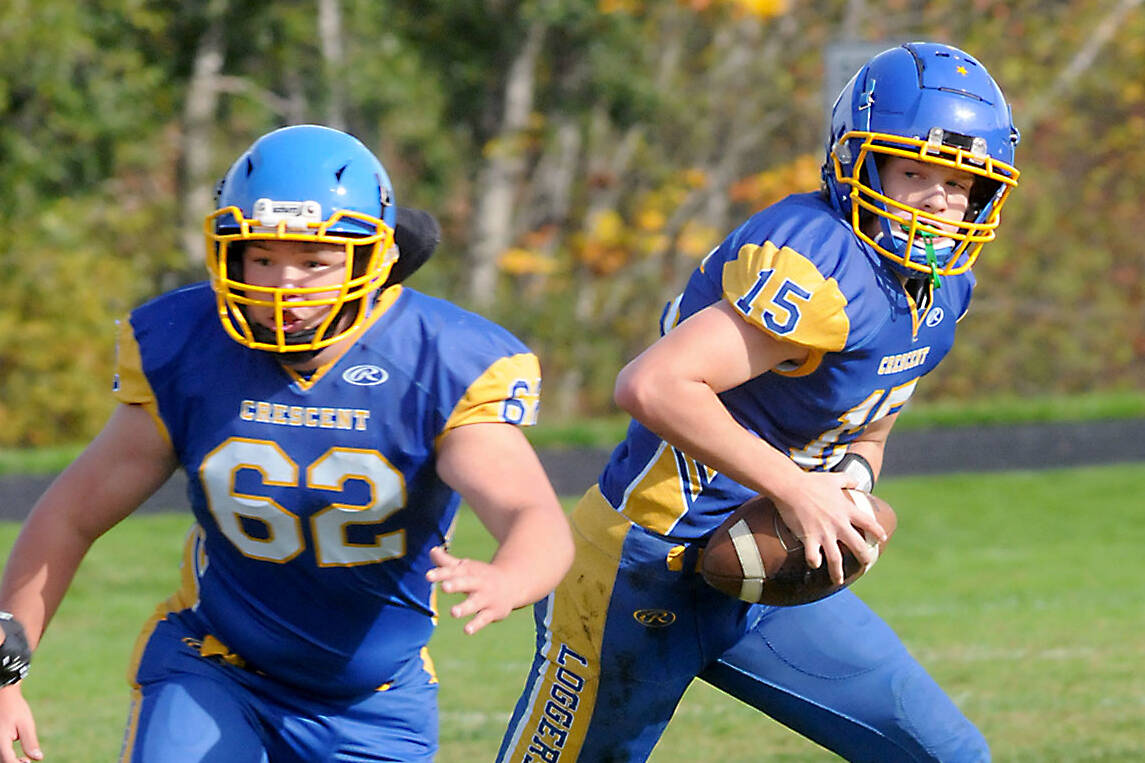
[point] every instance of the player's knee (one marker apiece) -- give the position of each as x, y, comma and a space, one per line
934, 722
177, 727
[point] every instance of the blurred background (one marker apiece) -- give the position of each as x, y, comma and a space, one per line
582, 156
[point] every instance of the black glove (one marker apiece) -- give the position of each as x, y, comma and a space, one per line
859, 468
14, 652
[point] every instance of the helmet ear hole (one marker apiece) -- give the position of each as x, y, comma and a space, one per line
235, 252
981, 193
362, 254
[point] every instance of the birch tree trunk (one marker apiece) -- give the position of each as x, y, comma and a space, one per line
330, 39
503, 172
1102, 33
196, 186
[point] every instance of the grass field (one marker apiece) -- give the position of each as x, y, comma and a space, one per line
1021, 592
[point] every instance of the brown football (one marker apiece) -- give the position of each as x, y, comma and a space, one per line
754, 556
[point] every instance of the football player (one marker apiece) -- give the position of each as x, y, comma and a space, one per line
781, 369
329, 422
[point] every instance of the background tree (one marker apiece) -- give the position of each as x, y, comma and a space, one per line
583, 155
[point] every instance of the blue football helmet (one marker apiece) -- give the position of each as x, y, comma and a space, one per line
302, 183
932, 103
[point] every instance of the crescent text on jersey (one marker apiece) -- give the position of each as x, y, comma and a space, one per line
892, 364
307, 416
365, 375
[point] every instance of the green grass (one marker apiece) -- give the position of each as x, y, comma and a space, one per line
1020, 592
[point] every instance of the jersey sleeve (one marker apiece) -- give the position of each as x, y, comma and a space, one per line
508, 391
783, 293
131, 386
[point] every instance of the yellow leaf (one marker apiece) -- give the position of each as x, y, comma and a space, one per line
697, 239
619, 6
607, 226
767, 187
651, 220
522, 262
695, 177
761, 8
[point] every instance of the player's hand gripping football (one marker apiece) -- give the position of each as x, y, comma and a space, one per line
490, 591
823, 517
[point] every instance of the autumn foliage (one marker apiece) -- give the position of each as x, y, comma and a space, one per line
582, 155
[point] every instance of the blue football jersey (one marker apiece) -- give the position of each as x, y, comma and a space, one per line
797, 272
317, 498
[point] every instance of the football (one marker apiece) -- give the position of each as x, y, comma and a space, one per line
754, 556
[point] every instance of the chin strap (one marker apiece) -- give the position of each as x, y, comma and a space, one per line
290, 357
294, 357
931, 255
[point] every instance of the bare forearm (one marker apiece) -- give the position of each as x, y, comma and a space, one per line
690, 416
536, 565
39, 570
498, 474
871, 444
115, 473
672, 388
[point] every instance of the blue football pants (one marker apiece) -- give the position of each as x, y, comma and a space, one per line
190, 705
633, 624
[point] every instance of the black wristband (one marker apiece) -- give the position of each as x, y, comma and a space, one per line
14, 652
859, 468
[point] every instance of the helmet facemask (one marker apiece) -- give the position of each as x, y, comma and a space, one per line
308, 184
369, 259
936, 105
917, 242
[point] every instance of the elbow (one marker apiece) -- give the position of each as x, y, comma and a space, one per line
563, 552
634, 392
650, 394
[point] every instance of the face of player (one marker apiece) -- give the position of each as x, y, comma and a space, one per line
294, 265
940, 191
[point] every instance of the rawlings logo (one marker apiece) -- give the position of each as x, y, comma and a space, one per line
654, 618
365, 375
